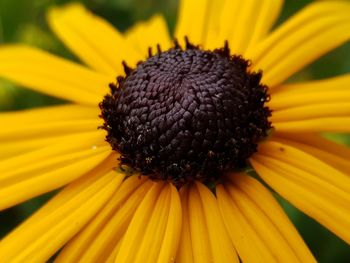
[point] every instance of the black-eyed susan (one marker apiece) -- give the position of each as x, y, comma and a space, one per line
152, 169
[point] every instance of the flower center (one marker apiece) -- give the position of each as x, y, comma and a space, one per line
187, 114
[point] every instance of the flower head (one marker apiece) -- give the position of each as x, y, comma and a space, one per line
156, 167
187, 114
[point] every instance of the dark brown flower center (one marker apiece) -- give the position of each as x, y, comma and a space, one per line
187, 114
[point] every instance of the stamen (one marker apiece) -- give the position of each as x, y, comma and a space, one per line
127, 69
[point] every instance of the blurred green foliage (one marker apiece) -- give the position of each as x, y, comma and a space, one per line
23, 21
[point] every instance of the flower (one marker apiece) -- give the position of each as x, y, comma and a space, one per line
103, 214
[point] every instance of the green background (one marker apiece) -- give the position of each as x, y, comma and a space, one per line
23, 21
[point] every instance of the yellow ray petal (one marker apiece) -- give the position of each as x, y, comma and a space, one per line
312, 111
329, 152
99, 238
198, 230
111, 257
171, 237
317, 29
55, 160
92, 39
287, 100
259, 222
141, 36
44, 176
213, 38
227, 23
327, 124
104, 167
49, 114
79, 142
152, 235
135, 232
29, 130
163, 231
264, 18
244, 23
52, 75
292, 156
207, 234
320, 191
312, 201
191, 22
243, 236
16, 147
22, 172
185, 250
60, 219
339, 83
221, 247
112, 234
49, 129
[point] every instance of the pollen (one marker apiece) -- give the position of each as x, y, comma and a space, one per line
187, 114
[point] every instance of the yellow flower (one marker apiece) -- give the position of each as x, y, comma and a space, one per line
101, 214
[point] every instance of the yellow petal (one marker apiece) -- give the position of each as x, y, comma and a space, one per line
207, 234
111, 257
243, 236
255, 219
172, 232
213, 38
315, 30
312, 111
221, 247
52, 75
226, 24
152, 235
287, 100
244, 23
198, 229
39, 121
92, 39
314, 187
44, 176
47, 129
49, 114
312, 107
337, 84
97, 241
191, 22
185, 250
141, 36
91, 143
42, 235
283, 152
267, 11
17, 147
329, 152
24, 169
332, 90
326, 124
53, 162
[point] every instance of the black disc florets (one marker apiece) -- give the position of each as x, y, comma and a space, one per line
187, 114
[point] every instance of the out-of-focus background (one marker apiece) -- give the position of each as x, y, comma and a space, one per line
23, 21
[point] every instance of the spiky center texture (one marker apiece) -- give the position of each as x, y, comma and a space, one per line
187, 114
